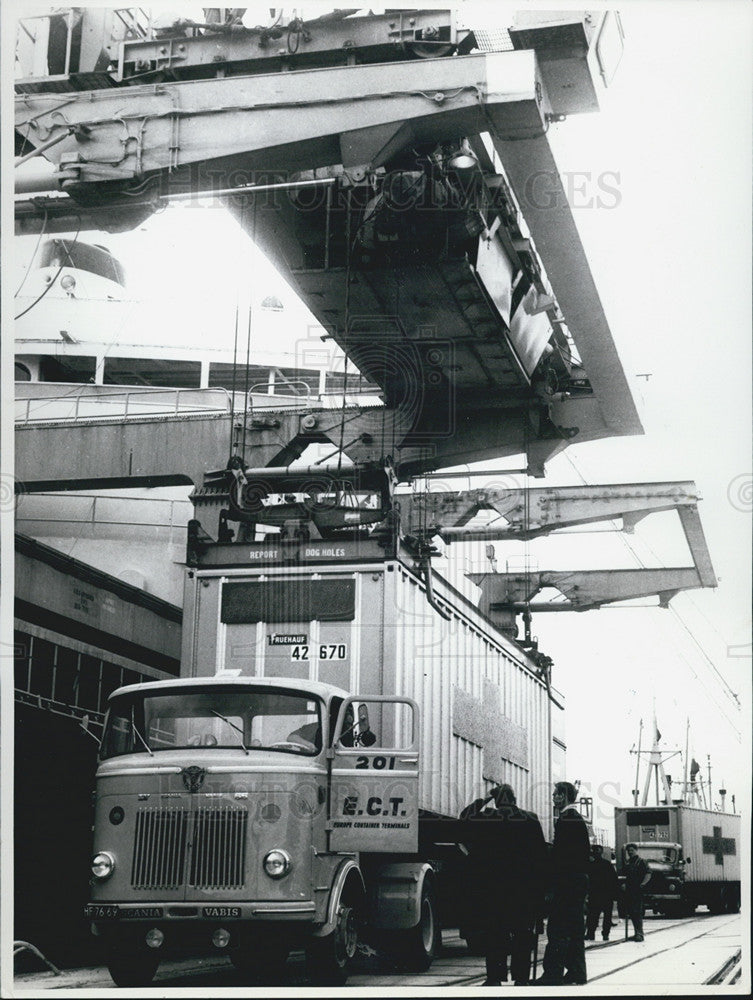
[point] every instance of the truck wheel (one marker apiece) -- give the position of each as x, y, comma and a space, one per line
717, 903
415, 949
329, 959
132, 966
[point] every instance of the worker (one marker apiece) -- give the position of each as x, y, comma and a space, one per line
507, 855
603, 889
569, 860
309, 736
636, 877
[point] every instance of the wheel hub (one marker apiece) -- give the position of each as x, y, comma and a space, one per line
346, 933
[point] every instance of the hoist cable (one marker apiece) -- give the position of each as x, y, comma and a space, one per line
248, 347
235, 363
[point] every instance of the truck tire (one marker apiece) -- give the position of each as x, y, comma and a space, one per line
415, 949
130, 966
733, 901
717, 903
329, 959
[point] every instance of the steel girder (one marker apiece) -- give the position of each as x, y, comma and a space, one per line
78, 454
528, 513
506, 594
354, 115
584, 590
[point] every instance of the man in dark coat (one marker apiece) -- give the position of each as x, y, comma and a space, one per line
507, 857
569, 859
636, 876
603, 889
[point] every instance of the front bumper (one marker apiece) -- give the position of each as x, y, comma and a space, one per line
110, 913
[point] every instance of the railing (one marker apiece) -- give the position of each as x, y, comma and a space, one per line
265, 390
325, 400
94, 512
38, 402
89, 402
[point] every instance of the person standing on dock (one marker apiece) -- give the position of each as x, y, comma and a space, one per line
636, 876
603, 889
571, 851
508, 853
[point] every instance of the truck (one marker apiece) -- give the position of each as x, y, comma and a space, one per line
693, 856
299, 785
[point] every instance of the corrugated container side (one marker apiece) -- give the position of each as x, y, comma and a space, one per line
707, 840
485, 715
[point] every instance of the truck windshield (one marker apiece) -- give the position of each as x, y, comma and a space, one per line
658, 853
224, 716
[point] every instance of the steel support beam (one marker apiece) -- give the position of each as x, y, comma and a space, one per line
535, 512
584, 590
529, 513
288, 121
321, 41
535, 178
172, 449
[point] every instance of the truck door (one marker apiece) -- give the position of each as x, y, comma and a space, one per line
373, 800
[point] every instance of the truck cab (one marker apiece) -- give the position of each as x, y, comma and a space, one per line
665, 889
234, 813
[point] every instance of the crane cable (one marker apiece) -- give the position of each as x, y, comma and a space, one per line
248, 348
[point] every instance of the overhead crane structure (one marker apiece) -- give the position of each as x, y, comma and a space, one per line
388, 165
421, 248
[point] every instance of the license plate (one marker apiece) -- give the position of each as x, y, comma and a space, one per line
141, 913
221, 912
100, 911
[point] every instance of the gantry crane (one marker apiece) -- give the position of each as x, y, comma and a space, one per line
398, 170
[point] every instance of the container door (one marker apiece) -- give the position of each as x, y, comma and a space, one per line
374, 776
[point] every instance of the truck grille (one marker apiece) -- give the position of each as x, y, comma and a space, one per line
219, 848
209, 844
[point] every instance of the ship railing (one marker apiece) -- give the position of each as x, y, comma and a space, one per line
61, 401
270, 396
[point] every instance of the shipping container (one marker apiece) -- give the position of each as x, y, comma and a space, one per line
370, 627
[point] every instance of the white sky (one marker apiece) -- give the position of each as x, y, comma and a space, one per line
672, 263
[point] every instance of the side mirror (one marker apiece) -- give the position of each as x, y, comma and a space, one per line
363, 718
687, 861
364, 735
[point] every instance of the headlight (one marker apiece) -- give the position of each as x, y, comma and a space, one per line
103, 865
277, 863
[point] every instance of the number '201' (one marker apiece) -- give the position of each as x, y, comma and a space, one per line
377, 763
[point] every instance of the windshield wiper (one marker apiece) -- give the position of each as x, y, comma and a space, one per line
136, 730
232, 726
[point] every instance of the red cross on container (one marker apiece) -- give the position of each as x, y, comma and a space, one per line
718, 845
